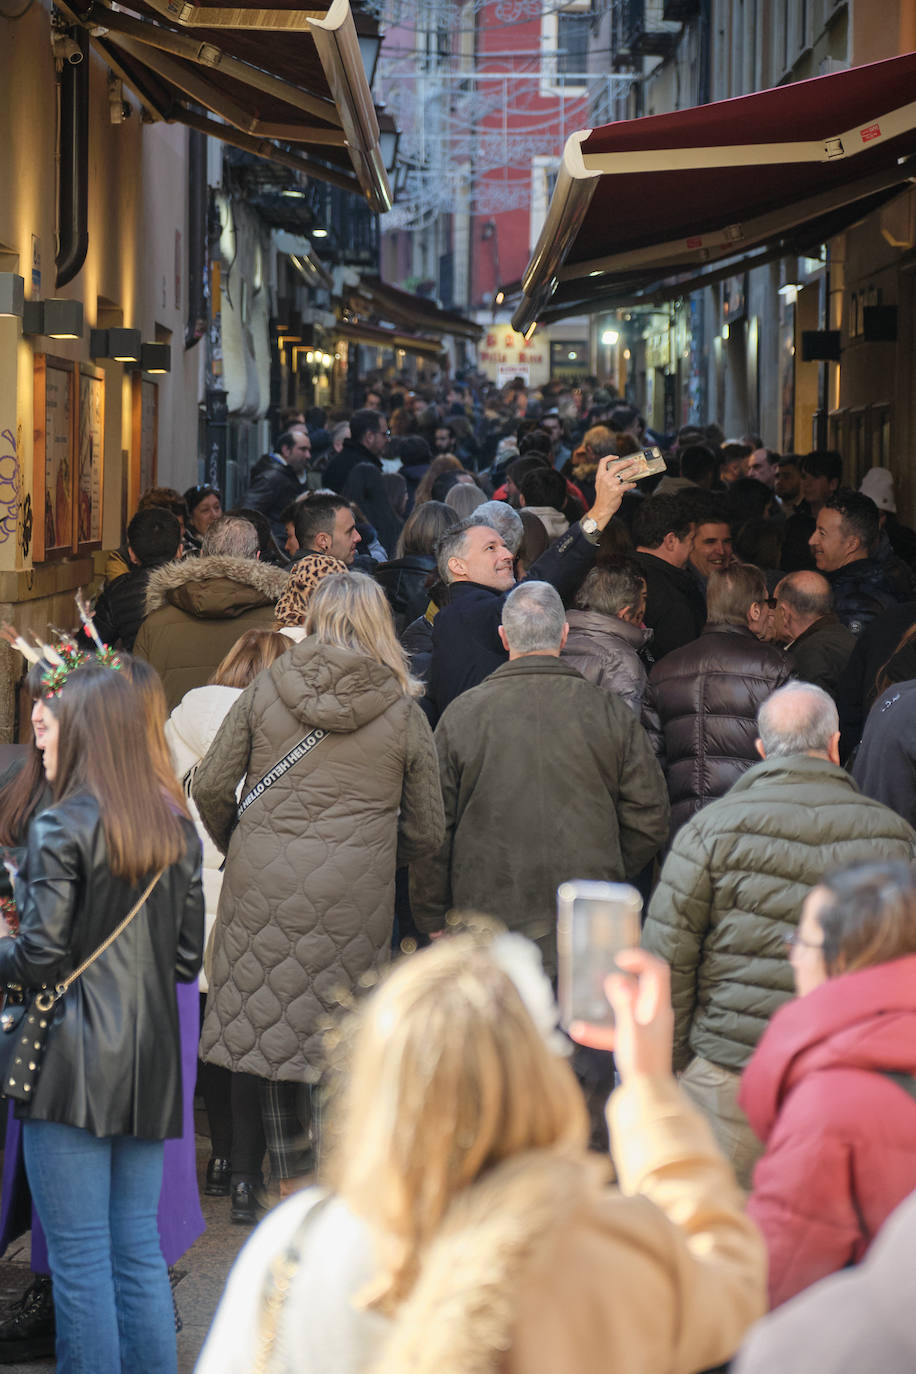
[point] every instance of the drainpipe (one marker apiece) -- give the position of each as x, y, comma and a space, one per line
197, 238
73, 168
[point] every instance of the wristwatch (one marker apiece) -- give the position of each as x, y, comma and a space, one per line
589, 527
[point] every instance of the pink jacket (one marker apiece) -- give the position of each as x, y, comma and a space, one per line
840, 1134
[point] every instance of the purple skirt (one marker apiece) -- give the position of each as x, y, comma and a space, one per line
180, 1218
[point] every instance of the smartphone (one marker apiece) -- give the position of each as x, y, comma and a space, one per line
651, 461
595, 921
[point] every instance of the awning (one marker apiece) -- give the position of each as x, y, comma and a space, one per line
647, 209
375, 337
410, 311
284, 83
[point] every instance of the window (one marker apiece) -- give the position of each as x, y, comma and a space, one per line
564, 48
543, 179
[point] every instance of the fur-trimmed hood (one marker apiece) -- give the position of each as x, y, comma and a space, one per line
216, 587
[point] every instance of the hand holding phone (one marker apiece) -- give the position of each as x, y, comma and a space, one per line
643, 1035
595, 921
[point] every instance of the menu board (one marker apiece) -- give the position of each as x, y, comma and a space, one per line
144, 456
69, 421
54, 458
90, 434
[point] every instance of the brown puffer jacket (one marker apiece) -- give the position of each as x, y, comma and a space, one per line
700, 710
307, 903
605, 650
196, 609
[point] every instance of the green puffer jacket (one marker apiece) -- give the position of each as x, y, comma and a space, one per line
732, 887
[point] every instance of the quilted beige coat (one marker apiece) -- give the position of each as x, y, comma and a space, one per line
307, 904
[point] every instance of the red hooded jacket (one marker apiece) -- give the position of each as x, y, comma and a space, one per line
840, 1134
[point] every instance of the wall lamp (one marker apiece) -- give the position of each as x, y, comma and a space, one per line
121, 345
156, 357
55, 318
12, 294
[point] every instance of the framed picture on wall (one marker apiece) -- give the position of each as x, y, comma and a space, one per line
89, 453
144, 446
54, 457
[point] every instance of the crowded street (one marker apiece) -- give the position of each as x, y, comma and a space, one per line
457, 650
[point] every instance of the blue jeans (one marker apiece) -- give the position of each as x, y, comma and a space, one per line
97, 1200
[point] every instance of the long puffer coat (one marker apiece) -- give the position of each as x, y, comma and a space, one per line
840, 1133
732, 887
307, 904
700, 710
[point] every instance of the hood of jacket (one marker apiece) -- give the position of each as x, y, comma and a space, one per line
336, 689
554, 521
215, 588
595, 625
192, 726
861, 1020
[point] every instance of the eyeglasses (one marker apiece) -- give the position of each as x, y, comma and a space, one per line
796, 941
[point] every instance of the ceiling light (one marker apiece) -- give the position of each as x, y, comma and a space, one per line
12, 288
610, 337
319, 233
55, 318
121, 345
293, 193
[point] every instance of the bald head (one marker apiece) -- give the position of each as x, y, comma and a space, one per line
801, 599
798, 719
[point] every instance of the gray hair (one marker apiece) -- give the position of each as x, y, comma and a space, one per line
452, 544
504, 519
611, 587
533, 618
231, 535
464, 498
797, 719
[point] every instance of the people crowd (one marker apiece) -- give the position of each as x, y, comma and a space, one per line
447, 651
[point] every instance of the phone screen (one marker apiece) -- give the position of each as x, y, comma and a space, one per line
595, 921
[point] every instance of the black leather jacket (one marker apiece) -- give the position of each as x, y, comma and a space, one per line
113, 1062
404, 583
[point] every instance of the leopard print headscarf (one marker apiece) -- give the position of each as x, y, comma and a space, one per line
304, 578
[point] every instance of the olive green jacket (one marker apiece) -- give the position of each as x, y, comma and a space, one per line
545, 778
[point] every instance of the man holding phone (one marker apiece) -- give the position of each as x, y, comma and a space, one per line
466, 642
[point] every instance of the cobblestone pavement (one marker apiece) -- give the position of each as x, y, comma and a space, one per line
206, 1266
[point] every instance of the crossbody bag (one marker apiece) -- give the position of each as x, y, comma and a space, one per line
24, 1024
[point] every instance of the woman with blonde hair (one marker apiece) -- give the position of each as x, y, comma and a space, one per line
339, 782
236, 1138
467, 1229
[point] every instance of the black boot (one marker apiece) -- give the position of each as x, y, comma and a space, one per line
27, 1328
246, 1207
219, 1176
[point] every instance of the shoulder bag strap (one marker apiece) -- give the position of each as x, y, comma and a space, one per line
298, 751
46, 998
